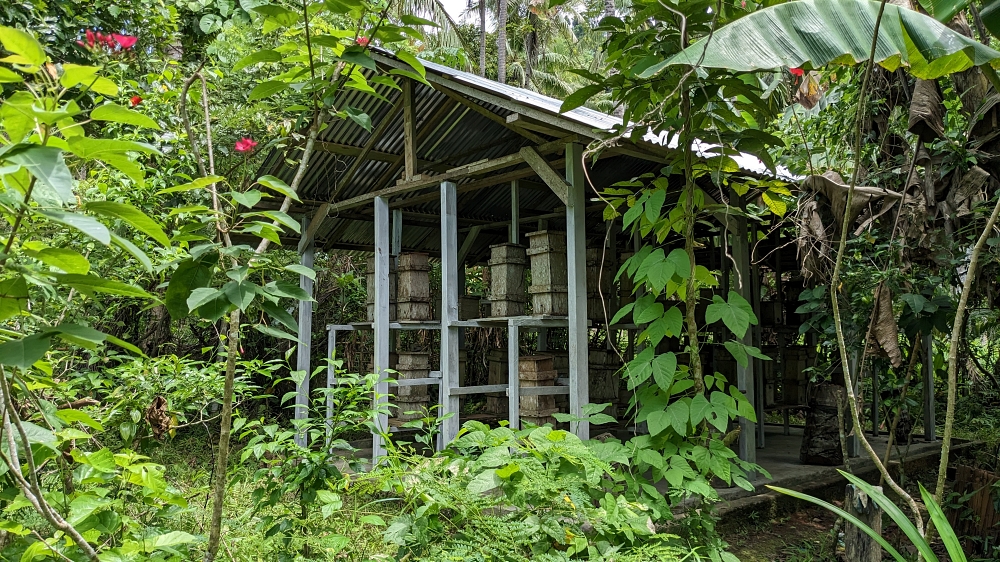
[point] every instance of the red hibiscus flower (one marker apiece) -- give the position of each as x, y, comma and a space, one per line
363, 41
796, 72
125, 41
90, 38
246, 144
135, 100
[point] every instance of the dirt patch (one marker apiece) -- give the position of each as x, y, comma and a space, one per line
800, 536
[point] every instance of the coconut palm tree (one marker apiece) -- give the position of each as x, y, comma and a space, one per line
502, 41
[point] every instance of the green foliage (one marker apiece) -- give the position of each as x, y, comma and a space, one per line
537, 493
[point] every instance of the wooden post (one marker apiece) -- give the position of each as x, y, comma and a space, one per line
858, 546
875, 405
513, 375
929, 429
449, 314
396, 246
515, 213
853, 439
331, 381
744, 375
758, 365
409, 130
380, 326
576, 266
307, 253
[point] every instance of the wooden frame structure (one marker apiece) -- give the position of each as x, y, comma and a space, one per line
473, 159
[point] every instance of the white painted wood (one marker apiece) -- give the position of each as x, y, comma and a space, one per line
576, 266
744, 375
515, 212
331, 380
302, 355
758, 365
449, 314
396, 247
380, 324
513, 380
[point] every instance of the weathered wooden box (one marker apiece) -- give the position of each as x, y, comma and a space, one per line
547, 251
604, 372
537, 371
370, 296
508, 293
469, 308
411, 365
600, 285
414, 294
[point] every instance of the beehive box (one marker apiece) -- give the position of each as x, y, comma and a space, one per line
370, 296
496, 402
537, 371
547, 251
508, 293
414, 294
605, 379
411, 365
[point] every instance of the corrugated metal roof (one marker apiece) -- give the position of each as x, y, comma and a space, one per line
451, 131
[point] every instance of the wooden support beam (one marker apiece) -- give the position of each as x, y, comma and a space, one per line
513, 378
380, 326
449, 315
515, 213
490, 115
470, 238
744, 375
409, 130
576, 266
376, 155
929, 421
302, 352
475, 168
556, 183
430, 125
517, 121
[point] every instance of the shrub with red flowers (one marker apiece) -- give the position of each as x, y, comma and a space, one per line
95, 40
797, 72
245, 144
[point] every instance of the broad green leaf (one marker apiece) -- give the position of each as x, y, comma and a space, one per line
484, 482
133, 250
266, 89
22, 353
413, 61
69, 261
13, 297
302, 270
23, 44
774, 202
700, 407
115, 113
48, 166
247, 199
280, 314
133, 216
196, 184
990, 14
664, 366
83, 223
38, 435
191, 274
75, 74
104, 86
788, 36
267, 55
679, 413
360, 117
356, 55
657, 422
276, 333
86, 147
78, 416
93, 284
240, 294
8, 76
278, 185
286, 289
201, 296
166, 540
580, 97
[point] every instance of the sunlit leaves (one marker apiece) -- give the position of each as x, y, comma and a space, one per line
115, 113
48, 166
736, 313
23, 45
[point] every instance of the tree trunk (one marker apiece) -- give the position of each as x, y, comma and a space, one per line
502, 43
858, 546
482, 38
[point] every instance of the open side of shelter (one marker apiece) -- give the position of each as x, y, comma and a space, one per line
458, 171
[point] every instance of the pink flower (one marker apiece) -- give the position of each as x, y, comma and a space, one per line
796, 72
90, 38
245, 144
125, 41
135, 100
363, 41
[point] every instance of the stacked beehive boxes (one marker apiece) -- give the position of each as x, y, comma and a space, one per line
547, 249
793, 376
600, 283
625, 284
414, 296
412, 365
507, 294
537, 371
370, 295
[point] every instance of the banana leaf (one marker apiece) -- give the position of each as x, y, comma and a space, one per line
814, 33
945, 10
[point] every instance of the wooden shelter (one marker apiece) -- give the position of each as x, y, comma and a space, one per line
458, 168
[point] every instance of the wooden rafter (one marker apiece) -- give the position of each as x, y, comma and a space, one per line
489, 115
409, 128
551, 178
428, 126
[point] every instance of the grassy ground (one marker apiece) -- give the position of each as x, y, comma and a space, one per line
189, 460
